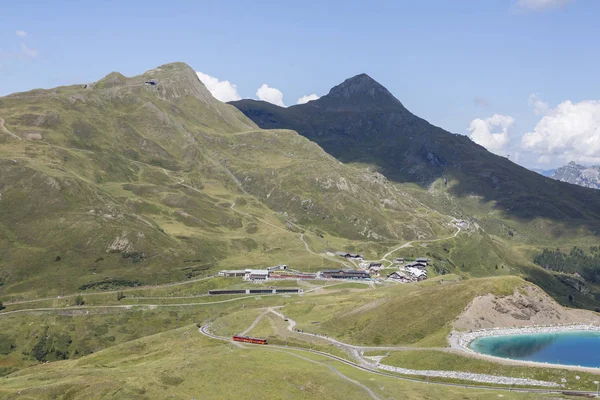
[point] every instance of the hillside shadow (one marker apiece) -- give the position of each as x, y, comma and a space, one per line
407, 149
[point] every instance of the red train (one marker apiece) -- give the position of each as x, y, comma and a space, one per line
249, 340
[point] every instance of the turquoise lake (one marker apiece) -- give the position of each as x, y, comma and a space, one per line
568, 348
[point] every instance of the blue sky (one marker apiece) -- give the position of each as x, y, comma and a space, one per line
459, 64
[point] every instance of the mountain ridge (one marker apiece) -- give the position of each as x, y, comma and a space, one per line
576, 174
408, 149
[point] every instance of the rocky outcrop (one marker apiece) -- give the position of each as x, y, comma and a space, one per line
528, 306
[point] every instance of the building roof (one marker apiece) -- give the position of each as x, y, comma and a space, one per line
257, 271
416, 271
354, 272
331, 271
415, 265
422, 259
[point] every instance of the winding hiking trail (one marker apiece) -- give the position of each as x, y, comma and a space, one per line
338, 373
254, 323
161, 286
4, 130
408, 244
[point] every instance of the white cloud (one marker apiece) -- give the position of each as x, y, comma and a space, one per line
221, 90
491, 133
28, 52
306, 98
21, 34
570, 132
539, 107
270, 95
539, 5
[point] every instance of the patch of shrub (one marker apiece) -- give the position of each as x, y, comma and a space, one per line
135, 256
110, 284
52, 348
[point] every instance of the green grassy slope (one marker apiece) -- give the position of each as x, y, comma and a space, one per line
400, 315
122, 184
182, 364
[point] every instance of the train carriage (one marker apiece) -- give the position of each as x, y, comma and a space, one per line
246, 339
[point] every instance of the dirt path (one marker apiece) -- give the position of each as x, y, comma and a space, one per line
349, 347
254, 323
322, 255
338, 373
300, 235
161, 286
4, 130
407, 244
129, 306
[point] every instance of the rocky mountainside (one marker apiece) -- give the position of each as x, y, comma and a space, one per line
578, 175
150, 179
360, 121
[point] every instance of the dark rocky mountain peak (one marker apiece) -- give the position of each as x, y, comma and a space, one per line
359, 84
359, 93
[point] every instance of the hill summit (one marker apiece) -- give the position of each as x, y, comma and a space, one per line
359, 93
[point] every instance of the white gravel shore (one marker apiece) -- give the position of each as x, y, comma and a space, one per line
468, 376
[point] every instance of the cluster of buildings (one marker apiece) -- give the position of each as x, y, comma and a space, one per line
411, 272
276, 272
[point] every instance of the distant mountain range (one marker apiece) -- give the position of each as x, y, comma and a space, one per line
577, 175
546, 172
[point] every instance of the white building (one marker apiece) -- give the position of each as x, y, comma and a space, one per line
256, 275
417, 273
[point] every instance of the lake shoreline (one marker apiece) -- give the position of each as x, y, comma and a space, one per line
461, 343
